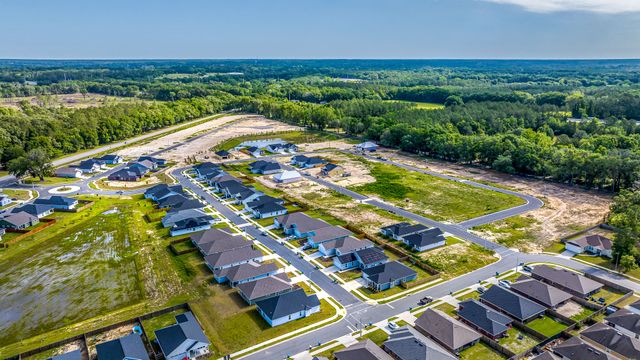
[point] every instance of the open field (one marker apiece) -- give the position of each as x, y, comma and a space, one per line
49, 180
294, 137
20, 195
420, 105
513, 232
73, 101
458, 259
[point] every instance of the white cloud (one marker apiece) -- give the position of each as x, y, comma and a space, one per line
598, 6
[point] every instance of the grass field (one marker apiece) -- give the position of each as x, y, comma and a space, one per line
295, 137
458, 259
606, 263
159, 322
421, 105
49, 180
511, 232
546, 326
377, 336
437, 198
516, 345
447, 309
480, 351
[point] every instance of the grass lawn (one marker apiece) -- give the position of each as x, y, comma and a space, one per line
606, 263
516, 345
49, 180
472, 295
546, 326
16, 194
420, 105
329, 352
349, 275
184, 245
556, 247
480, 351
447, 309
585, 313
511, 232
378, 336
431, 196
295, 137
610, 295
458, 259
159, 322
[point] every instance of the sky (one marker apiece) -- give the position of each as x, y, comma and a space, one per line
303, 29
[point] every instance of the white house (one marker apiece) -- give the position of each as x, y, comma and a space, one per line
183, 340
367, 146
287, 176
592, 244
290, 306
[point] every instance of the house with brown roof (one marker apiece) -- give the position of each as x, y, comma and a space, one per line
540, 292
446, 331
593, 244
363, 350
233, 257
567, 280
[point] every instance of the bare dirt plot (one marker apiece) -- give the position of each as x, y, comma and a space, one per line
567, 209
359, 172
201, 148
337, 144
75, 101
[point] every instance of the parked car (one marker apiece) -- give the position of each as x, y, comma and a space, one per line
425, 300
505, 283
392, 325
481, 289
527, 268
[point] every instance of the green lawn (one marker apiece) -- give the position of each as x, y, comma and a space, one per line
49, 180
511, 232
458, 259
585, 313
606, 263
516, 345
472, 295
159, 322
556, 247
378, 336
447, 309
546, 326
349, 275
421, 105
480, 351
329, 352
16, 194
431, 196
295, 137
610, 295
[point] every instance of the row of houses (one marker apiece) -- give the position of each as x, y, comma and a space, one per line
256, 148
417, 237
25, 216
306, 162
137, 170
89, 166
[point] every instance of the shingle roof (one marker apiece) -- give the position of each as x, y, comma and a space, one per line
232, 256
262, 165
346, 258
222, 153
576, 349
18, 219
264, 199
567, 279
288, 303
625, 319
269, 208
404, 228
448, 331
610, 338
187, 204
212, 235
425, 238
388, 272
546, 356
330, 167
541, 292
66, 171
363, 350
287, 175
511, 303
406, 343
185, 333
33, 209
347, 245
130, 347
264, 287
371, 255
330, 233
172, 200
484, 317
71, 355
303, 222
596, 240
192, 223
56, 200
246, 271
222, 245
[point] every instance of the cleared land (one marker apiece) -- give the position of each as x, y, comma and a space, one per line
513, 232
74, 101
295, 137
421, 105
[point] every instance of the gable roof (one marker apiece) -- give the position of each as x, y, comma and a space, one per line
404, 228
406, 343
32, 209
330, 166
185, 205
227, 244
287, 175
264, 199
56, 200
547, 355
363, 350
610, 338
576, 349
71, 355
262, 165
19, 218
246, 271
222, 153
388, 272
230, 257
212, 235
266, 286
543, 293
268, 208
371, 255
511, 303
484, 317
110, 157
329, 233
130, 347
67, 171
595, 240
567, 279
288, 303
347, 244
448, 331
303, 222
625, 319
172, 200
180, 337
425, 238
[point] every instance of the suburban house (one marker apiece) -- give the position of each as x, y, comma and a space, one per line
264, 288
5, 199
342, 246
71, 355
609, 338
89, 166
111, 159
512, 304
406, 343
592, 244
362, 259
255, 151
129, 347
219, 180
161, 191
540, 292
244, 273
68, 172
484, 319
18, 221
232, 189
281, 148
367, 146
184, 340
248, 196
58, 202
425, 240
2, 232
144, 165
211, 236
547, 355
265, 207
385, 276
227, 243
265, 167
400, 230
576, 349
37, 210
185, 205
171, 201
569, 281
157, 161
188, 226
287, 176
626, 322
327, 233
223, 154
293, 305
634, 307
233, 257
363, 350
446, 331
332, 170
298, 224
127, 174
170, 220
298, 160
205, 168
312, 162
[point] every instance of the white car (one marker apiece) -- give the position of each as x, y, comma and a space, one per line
505, 283
392, 325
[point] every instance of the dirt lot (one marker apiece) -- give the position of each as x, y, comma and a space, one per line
569, 309
242, 125
567, 209
359, 172
75, 101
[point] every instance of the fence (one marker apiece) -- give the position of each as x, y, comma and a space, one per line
45, 223
175, 251
84, 205
599, 226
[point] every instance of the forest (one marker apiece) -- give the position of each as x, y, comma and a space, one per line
575, 122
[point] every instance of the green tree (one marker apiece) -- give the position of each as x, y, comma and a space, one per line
628, 263
36, 163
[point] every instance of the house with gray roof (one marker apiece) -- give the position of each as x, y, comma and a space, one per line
540, 292
576, 349
609, 338
425, 240
567, 280
191, 225
265, 207
71, 355
186, 205
161, 191
367, 146
58, 202
290, 306
225, 243
205, 168
255, 151
264, 288
212, 235
111, 159
595, 244
406, 343
327, 233
362, 259
244, 273
363, 350
37, 210
127, 174
170, 219
5, 199
183, 340
90, 166
298, 224
484, 319
223, 154
171, 201
626, 322
634, 307
400, 230
220, 180
512, 304
155, 160
17, 221
343, 246
226, 259
547, 355
265, 167
68, 172
446, 331
129, 347
331, 170
387, 275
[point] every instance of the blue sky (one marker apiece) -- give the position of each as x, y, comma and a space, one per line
114, 29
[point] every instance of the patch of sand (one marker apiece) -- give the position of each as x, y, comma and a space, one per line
569, 309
